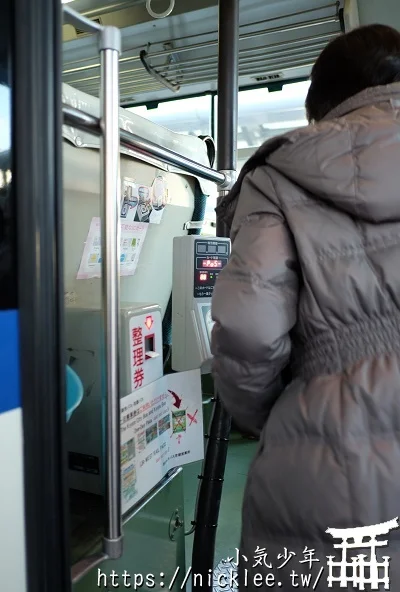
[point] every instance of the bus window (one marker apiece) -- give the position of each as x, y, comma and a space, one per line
184, 116
261, 115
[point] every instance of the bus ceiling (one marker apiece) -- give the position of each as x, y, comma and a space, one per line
177, 56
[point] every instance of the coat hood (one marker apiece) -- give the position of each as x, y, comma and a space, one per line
350, 160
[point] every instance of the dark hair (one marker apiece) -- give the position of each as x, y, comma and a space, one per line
365, 57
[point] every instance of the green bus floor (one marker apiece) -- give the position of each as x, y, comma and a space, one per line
240, 454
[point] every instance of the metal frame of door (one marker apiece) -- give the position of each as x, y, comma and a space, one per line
37, 187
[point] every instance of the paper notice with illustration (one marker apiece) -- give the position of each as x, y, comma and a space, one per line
161, 428
132, 236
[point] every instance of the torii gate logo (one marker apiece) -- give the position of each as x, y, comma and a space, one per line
358, 571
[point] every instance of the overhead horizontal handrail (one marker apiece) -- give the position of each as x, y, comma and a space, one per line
260, 72
251, 69
208, 65
198, 64
141, 86
265, 60
91, 124
323, 38
287, 46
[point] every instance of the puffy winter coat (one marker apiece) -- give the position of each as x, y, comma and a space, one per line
306, 343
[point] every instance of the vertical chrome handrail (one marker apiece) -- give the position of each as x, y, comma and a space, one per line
110, 47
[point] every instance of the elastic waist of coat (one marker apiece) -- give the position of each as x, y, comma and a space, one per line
334, 351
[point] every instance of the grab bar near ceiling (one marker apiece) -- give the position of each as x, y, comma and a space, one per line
91, 124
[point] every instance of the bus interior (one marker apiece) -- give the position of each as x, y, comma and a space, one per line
168, 242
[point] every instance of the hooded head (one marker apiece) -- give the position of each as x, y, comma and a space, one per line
363, 58
351, 156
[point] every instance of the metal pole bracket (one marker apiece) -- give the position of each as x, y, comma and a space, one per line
230, 180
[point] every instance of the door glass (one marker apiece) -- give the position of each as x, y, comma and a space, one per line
263, 115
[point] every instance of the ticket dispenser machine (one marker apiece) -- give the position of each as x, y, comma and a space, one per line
197, 261
141, 364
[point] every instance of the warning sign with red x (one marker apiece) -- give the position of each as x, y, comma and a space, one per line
162, 421
192, 418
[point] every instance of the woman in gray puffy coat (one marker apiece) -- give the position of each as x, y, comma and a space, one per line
306, 340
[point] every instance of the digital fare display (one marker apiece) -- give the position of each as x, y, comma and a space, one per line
211, 263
